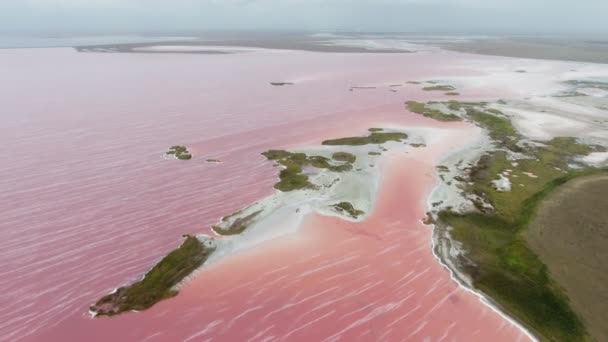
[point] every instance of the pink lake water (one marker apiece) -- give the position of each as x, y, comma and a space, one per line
89, 204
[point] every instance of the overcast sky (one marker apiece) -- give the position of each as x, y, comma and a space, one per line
480, 16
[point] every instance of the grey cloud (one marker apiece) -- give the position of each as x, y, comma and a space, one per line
366, 15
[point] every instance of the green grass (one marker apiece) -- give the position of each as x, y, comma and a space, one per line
501, 129
439, 88
454, 105
158, 283
373, 138
349, 209
344, 157
559, 151
507, 269
425, 110
291, 178
180, 152
511, 273
452, 93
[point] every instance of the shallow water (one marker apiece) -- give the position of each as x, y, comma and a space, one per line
89, 204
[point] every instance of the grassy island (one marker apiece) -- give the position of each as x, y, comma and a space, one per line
291, 177
374, 138
439, 88
344, 157
159, 283
180, 152
347, 207
280, 84
498, 258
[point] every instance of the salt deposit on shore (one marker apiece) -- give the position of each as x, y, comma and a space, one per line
200, 49
283, 212
131, 203
596, 159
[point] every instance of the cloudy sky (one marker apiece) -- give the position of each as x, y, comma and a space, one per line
478, 16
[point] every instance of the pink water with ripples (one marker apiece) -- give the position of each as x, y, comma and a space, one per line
88, 203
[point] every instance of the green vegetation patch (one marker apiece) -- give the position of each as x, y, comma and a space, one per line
439, 88
500, 128
180, 152
291, 178
376, 129
511, 273
347, 207
454, 105
425, 110
344, 157
452, 93
374, 138
159, 282
507, 269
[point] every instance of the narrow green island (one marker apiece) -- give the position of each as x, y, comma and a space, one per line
344, 157
498, 257
280, 84
180, 152
347, 207
291, 177
439, 88
159, 283
375, 137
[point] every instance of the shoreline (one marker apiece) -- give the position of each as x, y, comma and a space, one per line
230, 245
459, 277
199, 202
317, 217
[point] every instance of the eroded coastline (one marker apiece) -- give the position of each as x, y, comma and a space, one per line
498, 191
481, 239
345, 162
